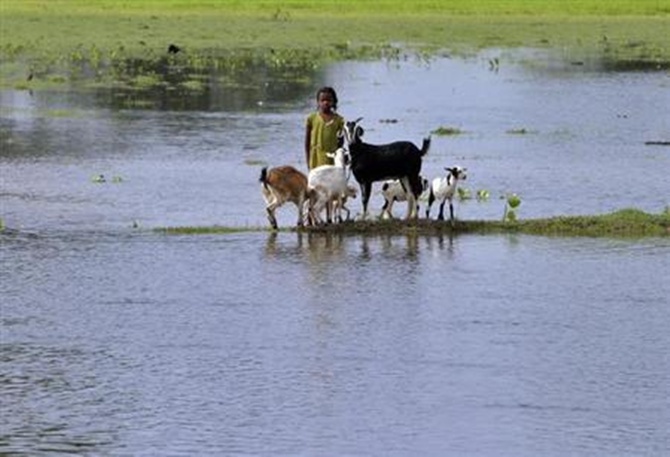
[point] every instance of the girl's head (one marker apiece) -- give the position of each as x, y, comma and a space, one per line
326, 99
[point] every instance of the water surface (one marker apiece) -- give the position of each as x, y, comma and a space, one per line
118, 340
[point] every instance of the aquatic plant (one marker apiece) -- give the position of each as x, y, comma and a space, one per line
464, 193
483, 195
445, 131
512, 202
519, 131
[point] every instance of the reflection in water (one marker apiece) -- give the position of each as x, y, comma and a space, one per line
240, 81
326, 247
439, 241
401, 247
338, 344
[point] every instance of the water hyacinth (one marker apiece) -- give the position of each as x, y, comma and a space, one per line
512, 202
483, 195
464, 193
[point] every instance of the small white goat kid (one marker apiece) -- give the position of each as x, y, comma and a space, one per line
329, 182
443, 189
351, 192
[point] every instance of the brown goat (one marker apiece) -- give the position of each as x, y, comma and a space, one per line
284, 184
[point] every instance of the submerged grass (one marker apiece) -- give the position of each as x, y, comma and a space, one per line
626, 223
82, 40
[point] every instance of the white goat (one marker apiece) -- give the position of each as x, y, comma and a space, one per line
394, 191
329, 183
443, 189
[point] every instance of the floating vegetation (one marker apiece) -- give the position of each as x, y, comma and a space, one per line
520, 131
464, 193
483, 195
445, 131
255, 162
101, 179
512, 202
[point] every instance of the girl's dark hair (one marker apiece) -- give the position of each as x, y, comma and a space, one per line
330, 91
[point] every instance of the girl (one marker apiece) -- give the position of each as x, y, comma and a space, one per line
323, 129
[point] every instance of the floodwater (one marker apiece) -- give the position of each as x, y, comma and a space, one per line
120, 340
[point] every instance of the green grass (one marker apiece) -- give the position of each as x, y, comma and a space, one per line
77, 38
627, 223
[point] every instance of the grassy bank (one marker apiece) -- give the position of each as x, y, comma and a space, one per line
627, 223
46, 39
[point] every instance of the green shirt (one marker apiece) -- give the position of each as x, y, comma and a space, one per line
323, 138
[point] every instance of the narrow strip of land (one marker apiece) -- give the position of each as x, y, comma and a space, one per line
627, 223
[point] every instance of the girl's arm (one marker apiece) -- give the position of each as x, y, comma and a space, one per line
308, 141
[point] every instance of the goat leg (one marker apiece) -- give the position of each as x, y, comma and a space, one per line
411, 206
431, 200
271, 217
440, 217
366, 188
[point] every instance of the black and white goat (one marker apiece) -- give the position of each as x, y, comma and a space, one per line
398, 160
443, 189
393, 191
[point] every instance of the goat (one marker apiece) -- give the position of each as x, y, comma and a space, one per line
284, 184
329, 183
351, 192
393, 191
398, 160
443, 189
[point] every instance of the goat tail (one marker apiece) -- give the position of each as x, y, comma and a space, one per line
264, 175
425, 146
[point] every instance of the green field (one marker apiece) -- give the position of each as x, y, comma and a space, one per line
47, 39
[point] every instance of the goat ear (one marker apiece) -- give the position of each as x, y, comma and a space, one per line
360, 131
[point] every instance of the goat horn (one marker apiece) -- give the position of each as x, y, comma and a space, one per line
358, 120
